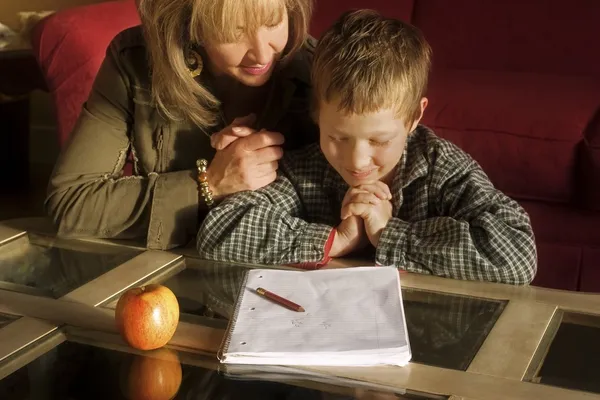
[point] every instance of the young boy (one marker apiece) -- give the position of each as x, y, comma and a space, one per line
378, 179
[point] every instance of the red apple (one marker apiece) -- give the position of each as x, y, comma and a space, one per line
154, 376
147, 316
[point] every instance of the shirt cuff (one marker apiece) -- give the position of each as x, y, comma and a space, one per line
393, 243
326, 258
174, 213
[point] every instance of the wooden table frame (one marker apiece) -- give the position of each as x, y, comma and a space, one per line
508, 359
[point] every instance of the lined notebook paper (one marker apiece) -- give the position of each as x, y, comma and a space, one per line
353, 316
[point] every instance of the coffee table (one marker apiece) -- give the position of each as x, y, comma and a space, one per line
470, 340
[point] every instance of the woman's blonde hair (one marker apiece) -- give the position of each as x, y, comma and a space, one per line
367, 63
173, 27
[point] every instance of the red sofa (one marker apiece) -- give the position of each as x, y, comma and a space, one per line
514, 83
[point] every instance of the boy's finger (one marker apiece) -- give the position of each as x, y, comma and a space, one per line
383, 191
378, 190
365, 198
351, 192
385, 188
358, 209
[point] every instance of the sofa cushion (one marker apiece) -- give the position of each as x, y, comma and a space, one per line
555, 223
327, 11
545, 36
590, 273
559, 266
568, 246
70, 46
524, 129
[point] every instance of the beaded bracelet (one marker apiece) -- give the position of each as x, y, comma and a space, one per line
203, 188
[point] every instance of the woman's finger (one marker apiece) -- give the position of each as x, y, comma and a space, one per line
264, 180
229, 135
266, 155
240, 127
261, 140
266, 169
247, 120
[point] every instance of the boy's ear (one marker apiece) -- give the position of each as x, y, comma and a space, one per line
423, 105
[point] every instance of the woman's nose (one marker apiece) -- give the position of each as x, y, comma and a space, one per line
260, 50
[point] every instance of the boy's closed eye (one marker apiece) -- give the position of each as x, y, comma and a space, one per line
380, 143
372, 142
338, 138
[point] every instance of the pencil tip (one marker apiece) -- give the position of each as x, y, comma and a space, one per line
301, 309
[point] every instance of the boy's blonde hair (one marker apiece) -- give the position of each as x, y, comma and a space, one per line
173, 27
369, 63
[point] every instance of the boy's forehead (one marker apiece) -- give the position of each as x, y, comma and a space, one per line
380, 122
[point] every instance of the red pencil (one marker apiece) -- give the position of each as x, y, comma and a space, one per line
280, 300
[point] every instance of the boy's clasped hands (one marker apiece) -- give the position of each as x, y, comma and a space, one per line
366, 210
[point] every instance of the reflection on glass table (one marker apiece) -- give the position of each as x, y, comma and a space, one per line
80, 371
6, 319
48, 268
573, 359
444, 330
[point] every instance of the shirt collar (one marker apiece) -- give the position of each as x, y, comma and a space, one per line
412, 166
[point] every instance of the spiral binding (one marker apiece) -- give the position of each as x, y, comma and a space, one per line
224, 348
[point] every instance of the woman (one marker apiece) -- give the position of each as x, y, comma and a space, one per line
222, 82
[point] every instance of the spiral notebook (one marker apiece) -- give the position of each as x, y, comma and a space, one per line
353, 317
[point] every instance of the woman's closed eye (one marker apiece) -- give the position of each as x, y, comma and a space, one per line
338, 138
273, 25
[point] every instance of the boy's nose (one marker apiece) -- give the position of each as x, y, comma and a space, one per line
359, 159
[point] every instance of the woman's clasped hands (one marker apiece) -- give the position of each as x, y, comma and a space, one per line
366, 210
246, 159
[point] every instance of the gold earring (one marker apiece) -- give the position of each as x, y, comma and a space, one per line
194, 63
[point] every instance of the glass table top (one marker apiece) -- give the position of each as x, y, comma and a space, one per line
444, 330
448, 330
572, 359
53, 270
80, 371
6, 319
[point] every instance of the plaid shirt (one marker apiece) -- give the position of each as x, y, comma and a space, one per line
447, 219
